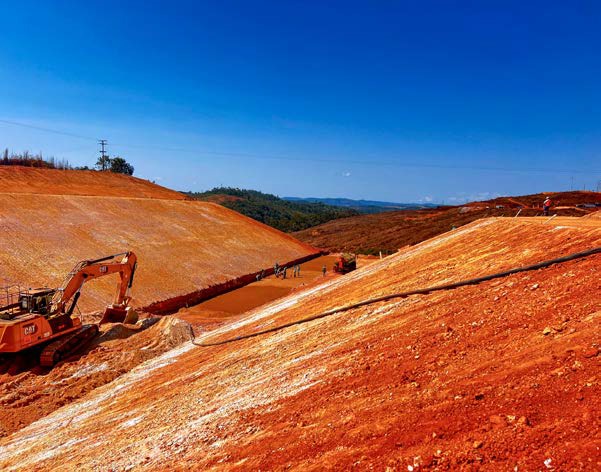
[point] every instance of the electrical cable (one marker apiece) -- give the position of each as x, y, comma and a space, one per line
369, 162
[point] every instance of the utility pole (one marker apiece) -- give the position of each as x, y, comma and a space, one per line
103, 156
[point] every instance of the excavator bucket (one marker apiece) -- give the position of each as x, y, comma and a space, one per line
119, 314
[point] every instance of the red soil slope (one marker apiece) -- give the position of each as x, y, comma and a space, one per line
182, 246
392, 230
562, 199
16, 179
31, 395
120, 348
500, 375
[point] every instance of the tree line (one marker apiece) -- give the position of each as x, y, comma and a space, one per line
273, 211
27, 159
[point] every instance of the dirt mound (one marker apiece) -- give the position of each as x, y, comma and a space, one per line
16, 179
387, 232
170, 333
26, 397
500, 375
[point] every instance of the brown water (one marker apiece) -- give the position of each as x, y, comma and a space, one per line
257, 293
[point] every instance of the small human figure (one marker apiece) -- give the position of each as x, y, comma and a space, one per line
324, 270
547, 206
276, 267
258, 277
262, 274
298, 270
284, 272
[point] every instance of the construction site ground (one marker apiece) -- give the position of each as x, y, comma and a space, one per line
225, 307
33, 392
29, 392
503, 375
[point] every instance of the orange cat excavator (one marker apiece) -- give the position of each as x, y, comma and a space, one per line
44, 316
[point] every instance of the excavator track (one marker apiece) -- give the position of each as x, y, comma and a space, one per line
56, 351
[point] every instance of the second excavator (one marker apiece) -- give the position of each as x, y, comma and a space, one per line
45, 317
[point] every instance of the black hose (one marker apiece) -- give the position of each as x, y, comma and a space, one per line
423, 291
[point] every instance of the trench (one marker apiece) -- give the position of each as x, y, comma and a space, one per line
227, 307
172, 305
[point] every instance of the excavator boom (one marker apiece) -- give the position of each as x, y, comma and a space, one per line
91, 269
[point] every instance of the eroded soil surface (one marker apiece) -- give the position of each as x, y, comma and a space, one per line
496, 376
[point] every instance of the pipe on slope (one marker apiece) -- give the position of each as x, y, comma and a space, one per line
423, 291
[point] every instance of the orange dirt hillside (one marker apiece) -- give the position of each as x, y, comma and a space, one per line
16, 179
182, 246
390, 231
504, 375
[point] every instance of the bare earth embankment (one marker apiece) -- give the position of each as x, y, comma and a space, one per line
182, 246
500, 375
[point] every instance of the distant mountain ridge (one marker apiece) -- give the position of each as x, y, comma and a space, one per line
363, 206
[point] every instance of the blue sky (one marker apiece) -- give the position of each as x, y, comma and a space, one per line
399, 101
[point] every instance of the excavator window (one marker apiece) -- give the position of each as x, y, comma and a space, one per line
41, 304
36, 304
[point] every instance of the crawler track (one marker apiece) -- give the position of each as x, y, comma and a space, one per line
56, 351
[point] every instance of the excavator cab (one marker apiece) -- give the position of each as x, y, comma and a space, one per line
36, 301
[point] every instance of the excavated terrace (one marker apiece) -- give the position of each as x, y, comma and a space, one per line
500, 375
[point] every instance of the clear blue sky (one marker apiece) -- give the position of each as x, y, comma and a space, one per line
400, 101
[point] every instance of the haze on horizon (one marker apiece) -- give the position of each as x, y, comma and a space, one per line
397, 102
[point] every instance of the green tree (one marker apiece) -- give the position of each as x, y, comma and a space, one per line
121, 166
103, 163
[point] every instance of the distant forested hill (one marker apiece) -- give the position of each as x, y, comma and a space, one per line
363, 206
273, 211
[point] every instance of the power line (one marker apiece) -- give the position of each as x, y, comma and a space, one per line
371, 162
359, 161
47, 130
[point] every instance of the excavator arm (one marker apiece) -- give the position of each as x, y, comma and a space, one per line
123, 264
